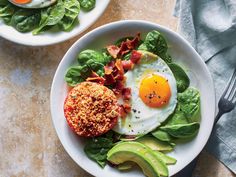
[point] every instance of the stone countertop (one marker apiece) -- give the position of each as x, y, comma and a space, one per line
29, 145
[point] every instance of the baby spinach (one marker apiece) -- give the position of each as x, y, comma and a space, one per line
161, 135
77, 74
25, 20
189, 102
184, 122
156, 43
182, 130
7, 10
97, 149
182, 80
72, 9
88, 54
50, 17
87, 5
88, 60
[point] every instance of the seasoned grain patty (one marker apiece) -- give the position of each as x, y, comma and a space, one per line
91, 109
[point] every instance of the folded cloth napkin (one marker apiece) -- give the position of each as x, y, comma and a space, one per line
210, 26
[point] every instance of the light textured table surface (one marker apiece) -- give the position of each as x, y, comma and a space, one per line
29, 145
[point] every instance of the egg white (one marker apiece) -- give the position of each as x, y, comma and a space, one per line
143, 119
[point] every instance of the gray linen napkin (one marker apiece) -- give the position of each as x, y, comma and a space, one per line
210, 26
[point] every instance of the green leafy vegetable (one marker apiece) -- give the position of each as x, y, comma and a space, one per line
6, 11
77, 74
50, 17
161, 135
72, 9
181, 77
88, 54
182, 130
25, 20
156, 43
184, 122
189, 102
87, 5
88, 60
97, 148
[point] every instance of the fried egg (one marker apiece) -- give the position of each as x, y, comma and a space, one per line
154, 96
34, 4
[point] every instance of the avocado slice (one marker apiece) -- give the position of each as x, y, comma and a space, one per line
155, 144
165, 158
161, 156
141, 155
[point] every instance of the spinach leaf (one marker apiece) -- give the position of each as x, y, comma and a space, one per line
87, 5
7, 10
184, 122
181, 77
25, 20
72, 9
156, 43
97, 149
161, 135
50, 17
189, 102
182, 130
77, 74
88, 54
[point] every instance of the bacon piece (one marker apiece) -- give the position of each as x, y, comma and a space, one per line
127, 107
126, 93
122, 111
135, 56
109, 79
127, 64
113, 50
108, 70
94, 77
129, 45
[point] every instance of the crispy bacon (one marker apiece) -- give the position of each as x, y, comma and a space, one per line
126, 93
127, 64
135, 56
124, 109
125, 47
94, 77
113, 50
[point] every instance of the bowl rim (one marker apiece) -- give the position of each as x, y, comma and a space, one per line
61, 39
144, 22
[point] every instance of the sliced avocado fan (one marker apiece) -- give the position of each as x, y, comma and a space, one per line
142, 155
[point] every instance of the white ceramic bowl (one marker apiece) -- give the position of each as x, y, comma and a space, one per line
86, 19
182, 53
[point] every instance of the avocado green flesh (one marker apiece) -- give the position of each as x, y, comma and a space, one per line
165, 158
155, 144
141, 155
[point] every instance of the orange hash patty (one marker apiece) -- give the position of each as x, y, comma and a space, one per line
91, 109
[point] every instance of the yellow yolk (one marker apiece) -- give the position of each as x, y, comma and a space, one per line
155, 91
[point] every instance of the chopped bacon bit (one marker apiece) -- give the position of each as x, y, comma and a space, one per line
113, 50
127, 107
129, 45
108, 70
127, 64
94, 77
124, 48
119, 66
135, 56
122, 111
109, 79
126, 93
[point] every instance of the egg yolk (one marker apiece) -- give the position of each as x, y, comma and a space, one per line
155, 91
21, 1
